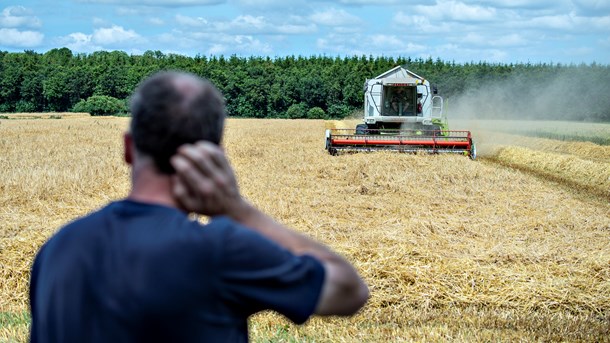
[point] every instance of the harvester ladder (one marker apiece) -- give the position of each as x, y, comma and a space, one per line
376, 93
437, 106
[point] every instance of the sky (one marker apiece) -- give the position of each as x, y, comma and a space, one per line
497, 31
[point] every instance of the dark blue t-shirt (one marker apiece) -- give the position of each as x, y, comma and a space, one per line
135, 272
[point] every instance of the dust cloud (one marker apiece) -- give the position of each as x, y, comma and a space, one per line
517, 103
578, 94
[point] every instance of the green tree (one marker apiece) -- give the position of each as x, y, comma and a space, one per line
316, 113
297, 111
101, 105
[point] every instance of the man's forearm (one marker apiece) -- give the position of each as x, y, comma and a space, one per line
344, 292
298, 244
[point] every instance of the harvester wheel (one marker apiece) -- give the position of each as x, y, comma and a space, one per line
361, 129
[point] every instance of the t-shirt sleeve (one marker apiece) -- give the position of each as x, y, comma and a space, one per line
257, 274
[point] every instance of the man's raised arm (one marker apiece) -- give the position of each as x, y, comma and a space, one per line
205, 184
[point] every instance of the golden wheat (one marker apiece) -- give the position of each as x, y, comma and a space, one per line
452, 249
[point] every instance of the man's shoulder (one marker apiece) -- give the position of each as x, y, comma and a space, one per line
80, 230
82, 225
146, 224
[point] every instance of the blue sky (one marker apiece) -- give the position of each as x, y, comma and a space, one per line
565, 31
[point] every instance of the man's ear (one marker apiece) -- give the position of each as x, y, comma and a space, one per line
128, 148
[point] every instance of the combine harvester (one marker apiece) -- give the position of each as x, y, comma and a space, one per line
401, 113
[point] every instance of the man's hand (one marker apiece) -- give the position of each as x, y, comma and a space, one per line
204, 182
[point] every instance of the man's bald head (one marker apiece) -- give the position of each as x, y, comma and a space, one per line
170, 109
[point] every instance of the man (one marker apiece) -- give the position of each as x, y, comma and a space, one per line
139, 270
399, 102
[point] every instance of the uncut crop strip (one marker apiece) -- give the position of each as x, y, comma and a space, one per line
571, 170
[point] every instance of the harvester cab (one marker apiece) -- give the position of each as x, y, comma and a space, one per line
402, 112
400, 99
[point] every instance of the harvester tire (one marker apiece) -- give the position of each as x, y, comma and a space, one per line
361, 129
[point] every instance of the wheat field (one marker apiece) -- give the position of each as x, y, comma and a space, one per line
511, 247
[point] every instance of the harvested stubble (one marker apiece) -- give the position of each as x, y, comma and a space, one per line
50, 172
46, 115
452, 249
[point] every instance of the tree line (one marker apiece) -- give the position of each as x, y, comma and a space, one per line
293, 86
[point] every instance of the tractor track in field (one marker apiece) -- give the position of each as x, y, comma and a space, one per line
585, 192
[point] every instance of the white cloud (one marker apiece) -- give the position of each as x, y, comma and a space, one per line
335, 17
260, 25
386, 41
524, 4
394, 44
599, 23
242, 44
247, 25
568, 23
371, 2
79, 42
156, 21
114, 35
377, 44
581, 51
593, 7
492, 40
347, 29
190, 21
557, 22
18, 16
265, 3
102, 38
289, 29
99, 21
273, 6
162, 3
463, 54
464, 30
20, 39
456, 11
132, 11
495, 55
217, 43
421, 24
245, 22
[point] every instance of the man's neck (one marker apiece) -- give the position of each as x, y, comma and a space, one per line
149, 186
